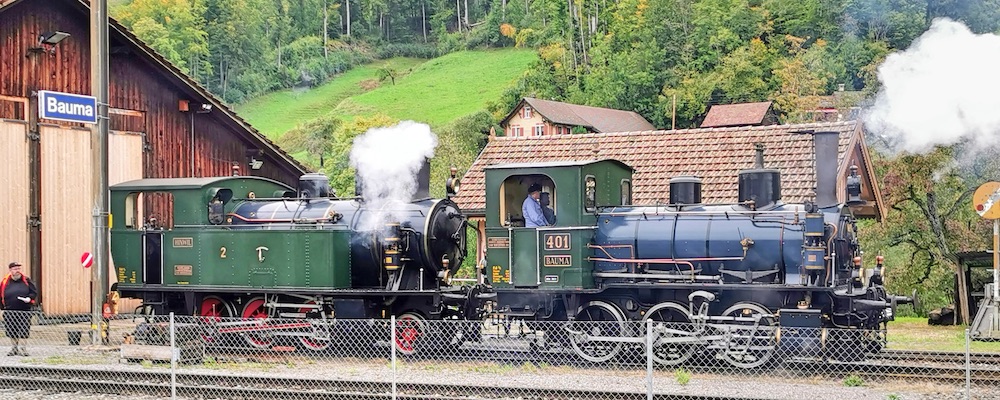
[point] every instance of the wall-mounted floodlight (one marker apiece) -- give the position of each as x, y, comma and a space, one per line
52, 38
47, 42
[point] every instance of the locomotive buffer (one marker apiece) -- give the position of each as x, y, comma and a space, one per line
986, 325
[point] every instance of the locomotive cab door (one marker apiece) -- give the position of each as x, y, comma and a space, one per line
152, 261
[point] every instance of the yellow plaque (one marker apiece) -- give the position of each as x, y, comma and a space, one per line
986, 200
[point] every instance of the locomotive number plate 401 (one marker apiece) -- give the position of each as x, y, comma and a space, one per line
557, 241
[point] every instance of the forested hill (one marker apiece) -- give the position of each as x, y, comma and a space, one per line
626, 54
650, 56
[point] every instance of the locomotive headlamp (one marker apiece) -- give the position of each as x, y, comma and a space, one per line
453, 184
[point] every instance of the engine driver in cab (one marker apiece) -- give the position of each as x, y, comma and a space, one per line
531, 209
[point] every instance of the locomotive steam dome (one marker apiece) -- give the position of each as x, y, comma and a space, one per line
685, 190
760, 185
314, 185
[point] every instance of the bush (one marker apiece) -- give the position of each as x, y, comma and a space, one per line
415, 50
683, 376
853, 380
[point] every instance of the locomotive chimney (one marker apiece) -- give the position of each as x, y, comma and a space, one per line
759, 186
685, 190
826, 144
423, 181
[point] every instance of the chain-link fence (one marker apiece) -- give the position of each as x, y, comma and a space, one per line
412, 357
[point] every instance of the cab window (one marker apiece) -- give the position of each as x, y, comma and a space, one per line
590, 194
626, 191
514, 191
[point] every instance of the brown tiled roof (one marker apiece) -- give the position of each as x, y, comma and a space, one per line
742, 114
595, 118
716, 155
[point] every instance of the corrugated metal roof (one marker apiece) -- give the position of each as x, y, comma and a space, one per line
715, 154
742, 114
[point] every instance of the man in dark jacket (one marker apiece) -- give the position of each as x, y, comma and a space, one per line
17, 294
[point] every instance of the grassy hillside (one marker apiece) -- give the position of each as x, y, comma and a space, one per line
440, 90
432, 91
276, 113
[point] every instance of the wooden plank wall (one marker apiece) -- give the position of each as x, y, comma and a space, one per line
67, 209
14, 201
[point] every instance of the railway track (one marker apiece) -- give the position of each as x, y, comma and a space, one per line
938, 356
263, 387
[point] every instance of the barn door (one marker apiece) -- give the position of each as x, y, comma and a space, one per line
14, 183
67, 217
125, 163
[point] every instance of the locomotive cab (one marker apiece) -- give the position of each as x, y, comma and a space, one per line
552, 256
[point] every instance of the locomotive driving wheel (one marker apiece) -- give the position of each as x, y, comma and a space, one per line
597, 319
670, 321
318, 339
255, 309
212, 311
749, 344
410, 329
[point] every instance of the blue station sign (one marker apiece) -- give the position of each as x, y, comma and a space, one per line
67, 107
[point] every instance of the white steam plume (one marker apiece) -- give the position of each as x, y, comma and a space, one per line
388, 161
944, 89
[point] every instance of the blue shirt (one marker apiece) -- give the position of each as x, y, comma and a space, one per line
532, 212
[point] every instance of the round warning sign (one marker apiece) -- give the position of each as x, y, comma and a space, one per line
986, 200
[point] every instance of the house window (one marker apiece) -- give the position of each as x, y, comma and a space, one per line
516, 130
526, 112
539, 130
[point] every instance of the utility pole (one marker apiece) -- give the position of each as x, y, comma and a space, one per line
99, 78
673, 114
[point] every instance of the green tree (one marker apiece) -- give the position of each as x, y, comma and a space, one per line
745, 74
804, 78
721, 26
174, 28
930, 219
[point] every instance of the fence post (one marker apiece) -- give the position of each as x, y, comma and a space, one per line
392, 345
968, 366
649, 359
173, 359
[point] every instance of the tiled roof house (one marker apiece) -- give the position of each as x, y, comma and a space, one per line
536, 117
716, 155
742, 114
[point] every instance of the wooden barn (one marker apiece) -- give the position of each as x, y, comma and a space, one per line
163, 124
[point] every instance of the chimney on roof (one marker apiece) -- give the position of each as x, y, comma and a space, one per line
826, 145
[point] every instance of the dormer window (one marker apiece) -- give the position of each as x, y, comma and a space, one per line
526, 112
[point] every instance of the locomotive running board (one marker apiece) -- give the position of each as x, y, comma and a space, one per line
679, 277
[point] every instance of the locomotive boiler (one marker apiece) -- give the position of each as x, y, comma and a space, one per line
255, 249
741, 282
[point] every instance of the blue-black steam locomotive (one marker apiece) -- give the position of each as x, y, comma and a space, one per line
744, 281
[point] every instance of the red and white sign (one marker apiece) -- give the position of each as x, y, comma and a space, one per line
87, 259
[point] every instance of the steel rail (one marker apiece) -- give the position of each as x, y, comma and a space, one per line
265, 387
